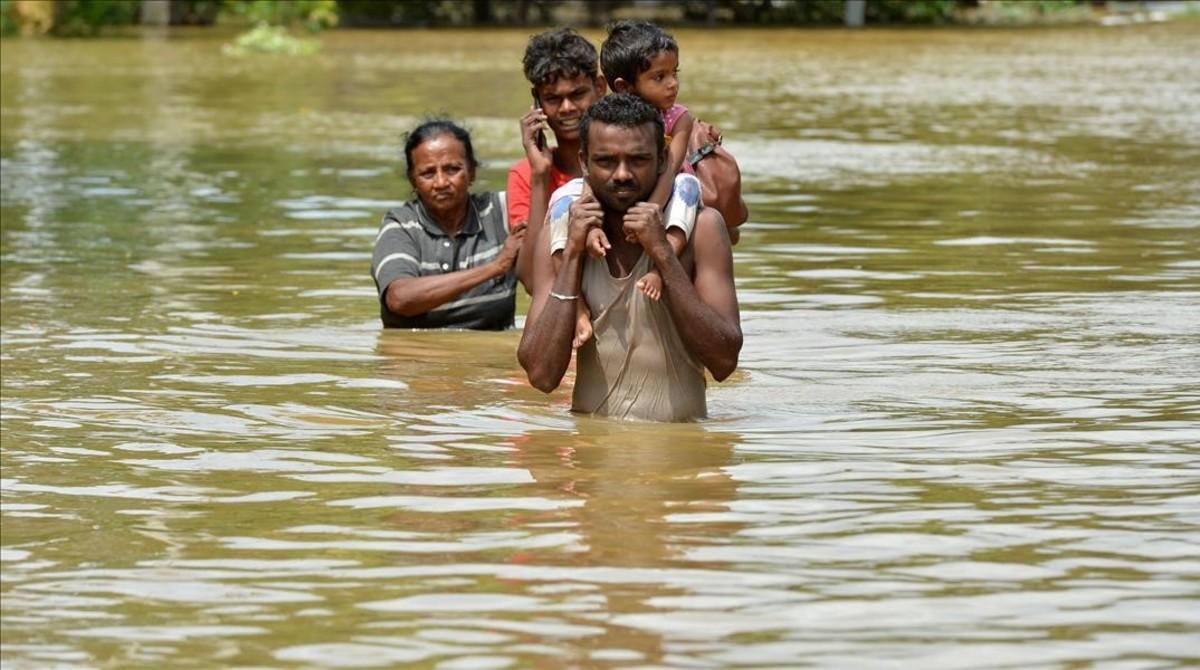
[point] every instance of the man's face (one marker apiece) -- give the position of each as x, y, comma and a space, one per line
565, 101
622, 164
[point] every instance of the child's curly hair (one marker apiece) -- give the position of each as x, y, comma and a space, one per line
558, 53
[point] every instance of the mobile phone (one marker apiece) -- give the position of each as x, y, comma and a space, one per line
540, 138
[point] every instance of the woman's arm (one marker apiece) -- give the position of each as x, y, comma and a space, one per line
412, 296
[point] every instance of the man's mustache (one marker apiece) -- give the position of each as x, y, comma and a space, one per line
623, 184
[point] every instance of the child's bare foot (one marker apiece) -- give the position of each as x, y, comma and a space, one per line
597, 243
651, 285
583, 330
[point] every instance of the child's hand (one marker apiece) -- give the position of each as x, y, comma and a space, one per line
597, 243
714, 134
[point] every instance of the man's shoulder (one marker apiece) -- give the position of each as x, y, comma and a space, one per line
710, 233
712, 216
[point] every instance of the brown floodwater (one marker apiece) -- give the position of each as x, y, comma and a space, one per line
963, 434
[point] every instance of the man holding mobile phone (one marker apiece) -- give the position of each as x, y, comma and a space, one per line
540, 136
562, 68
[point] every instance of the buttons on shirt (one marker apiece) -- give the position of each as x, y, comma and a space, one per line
446, 243
445, 266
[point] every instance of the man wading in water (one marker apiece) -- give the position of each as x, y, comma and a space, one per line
646, 359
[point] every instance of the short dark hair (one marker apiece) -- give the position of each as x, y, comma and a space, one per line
625, 110
436, 127
630, 45
558, 53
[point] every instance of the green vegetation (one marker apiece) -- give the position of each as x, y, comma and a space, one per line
830, 12
265, 39
1029, 12
313, 15
65, 18
88, 17
84, 17
272, 18
8, 24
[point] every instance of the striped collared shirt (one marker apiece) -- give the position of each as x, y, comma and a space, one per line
411, 244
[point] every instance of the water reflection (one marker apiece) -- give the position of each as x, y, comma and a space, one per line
965, 417
598, 506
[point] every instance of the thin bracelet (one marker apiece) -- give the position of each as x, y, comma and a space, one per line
560, 296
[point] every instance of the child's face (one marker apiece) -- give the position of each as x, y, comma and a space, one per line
659, 84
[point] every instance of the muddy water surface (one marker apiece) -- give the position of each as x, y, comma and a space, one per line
964, 432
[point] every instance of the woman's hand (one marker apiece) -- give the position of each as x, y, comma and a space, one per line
508, 253
541, 159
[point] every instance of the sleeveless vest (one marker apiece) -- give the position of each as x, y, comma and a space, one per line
635, 365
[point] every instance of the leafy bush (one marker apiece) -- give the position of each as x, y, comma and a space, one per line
314, 15
267, 39
914, 11
87, 17
8, 25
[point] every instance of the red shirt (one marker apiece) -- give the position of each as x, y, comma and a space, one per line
519, 189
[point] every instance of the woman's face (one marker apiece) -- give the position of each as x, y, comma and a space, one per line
441, 175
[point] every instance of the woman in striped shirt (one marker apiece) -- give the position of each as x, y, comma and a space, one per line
445, 258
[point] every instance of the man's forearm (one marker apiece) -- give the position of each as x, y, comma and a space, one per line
545, 350
710, 336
